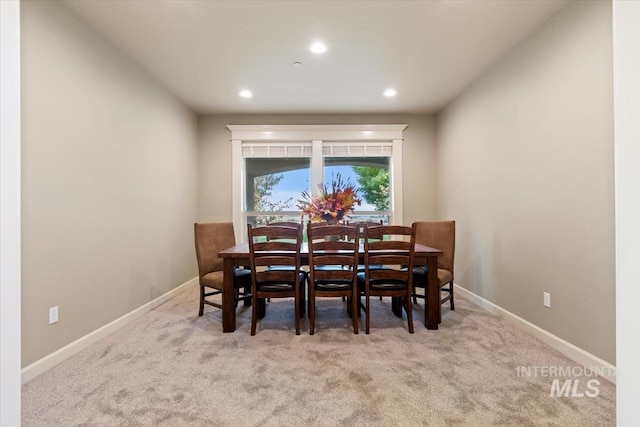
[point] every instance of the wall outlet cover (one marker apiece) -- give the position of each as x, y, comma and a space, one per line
53, 315
547, 299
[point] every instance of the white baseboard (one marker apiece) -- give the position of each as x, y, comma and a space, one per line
575, 353
40, 366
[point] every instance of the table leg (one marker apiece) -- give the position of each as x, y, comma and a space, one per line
432, 312
228, 302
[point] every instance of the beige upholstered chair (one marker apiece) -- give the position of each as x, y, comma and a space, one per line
439, 235
212, 238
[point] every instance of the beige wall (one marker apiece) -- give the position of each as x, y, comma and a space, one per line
108, 182
525, 166
215, 158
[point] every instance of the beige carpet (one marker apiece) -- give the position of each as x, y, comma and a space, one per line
173, 368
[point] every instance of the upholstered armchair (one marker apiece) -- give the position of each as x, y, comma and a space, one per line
439, 235
210, 239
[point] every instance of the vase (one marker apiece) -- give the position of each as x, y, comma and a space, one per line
333, 220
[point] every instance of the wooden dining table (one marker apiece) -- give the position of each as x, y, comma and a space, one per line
238, 255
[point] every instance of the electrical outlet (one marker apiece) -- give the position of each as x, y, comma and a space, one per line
547, 299
53, 315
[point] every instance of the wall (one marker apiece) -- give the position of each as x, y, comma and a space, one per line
626, 65
108, 182
525, 166
10, 404
215, 158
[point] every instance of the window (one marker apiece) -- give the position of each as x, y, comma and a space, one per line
273, 165
273, 185
371, 177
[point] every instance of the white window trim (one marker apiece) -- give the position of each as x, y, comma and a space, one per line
316, 134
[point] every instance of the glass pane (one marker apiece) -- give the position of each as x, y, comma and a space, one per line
371, 177
258, 220
274, 185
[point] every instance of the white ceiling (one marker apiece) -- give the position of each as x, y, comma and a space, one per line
205, 52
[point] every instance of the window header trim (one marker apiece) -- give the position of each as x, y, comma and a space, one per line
350, 133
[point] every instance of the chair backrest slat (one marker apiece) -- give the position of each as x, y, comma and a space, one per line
333, 245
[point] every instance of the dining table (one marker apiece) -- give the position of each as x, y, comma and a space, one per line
238, 256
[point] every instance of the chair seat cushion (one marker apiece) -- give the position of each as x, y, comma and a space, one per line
241, 273
282, 286
444, 276
275, 287
330, 267
372, 267
333, 285
382, 284
388, 285
213, 280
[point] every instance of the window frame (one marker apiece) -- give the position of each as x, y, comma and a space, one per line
316, 135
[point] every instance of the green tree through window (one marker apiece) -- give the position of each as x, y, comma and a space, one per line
374, 186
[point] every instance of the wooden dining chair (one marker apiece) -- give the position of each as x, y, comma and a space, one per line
274, 257
279, 224
440, 235
361, 225
211, 238
333, 267
392, 246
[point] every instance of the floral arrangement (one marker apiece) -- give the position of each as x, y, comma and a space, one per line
331, 203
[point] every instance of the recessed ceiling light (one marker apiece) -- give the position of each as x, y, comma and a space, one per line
390, 93
318, 47
245, 93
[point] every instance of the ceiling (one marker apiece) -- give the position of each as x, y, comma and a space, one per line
205, 52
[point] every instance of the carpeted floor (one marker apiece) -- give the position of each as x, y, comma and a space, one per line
173, 368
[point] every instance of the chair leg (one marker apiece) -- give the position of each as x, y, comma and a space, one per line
360, 305
298, 302
312, 311
354, 312
262, 307
439, 304
201, 310
303, 300
247, 291
409, 310
367, 313
254, 312
453, 307
396, 306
